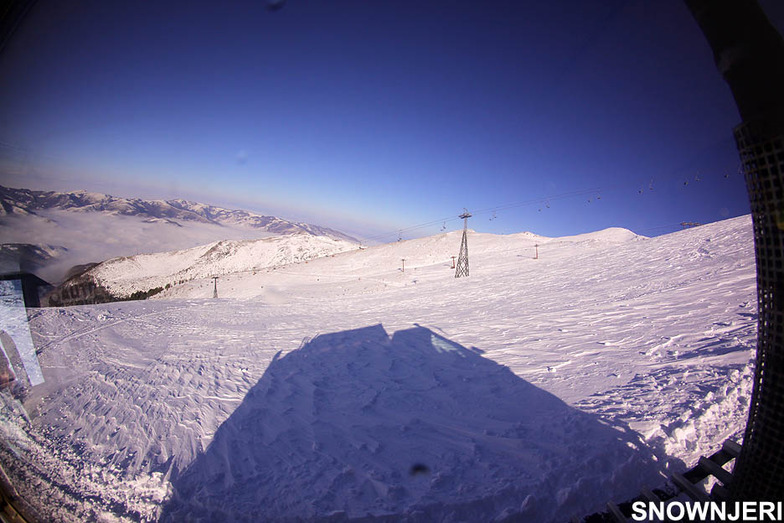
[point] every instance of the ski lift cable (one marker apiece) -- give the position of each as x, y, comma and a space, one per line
488, 210
545, 200
410, 229
540, 200
595, 192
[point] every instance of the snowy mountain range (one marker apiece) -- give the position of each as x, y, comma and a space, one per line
25, 201
50, 232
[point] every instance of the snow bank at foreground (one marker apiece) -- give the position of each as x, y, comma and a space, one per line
346, 388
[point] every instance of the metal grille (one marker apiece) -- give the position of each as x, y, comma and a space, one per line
759, 472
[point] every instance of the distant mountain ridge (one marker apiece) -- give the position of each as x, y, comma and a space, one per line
26, 201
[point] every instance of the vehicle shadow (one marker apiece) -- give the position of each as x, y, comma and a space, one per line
356, 425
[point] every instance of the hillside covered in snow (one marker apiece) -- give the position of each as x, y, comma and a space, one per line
348, 388
145, 274
48, 232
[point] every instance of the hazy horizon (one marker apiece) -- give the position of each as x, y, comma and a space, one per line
376, 118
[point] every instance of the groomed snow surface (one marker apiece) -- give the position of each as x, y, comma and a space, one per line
346, 388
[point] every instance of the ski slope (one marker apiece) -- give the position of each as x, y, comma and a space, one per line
344, 387
142, 272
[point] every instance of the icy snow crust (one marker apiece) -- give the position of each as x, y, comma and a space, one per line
345, 388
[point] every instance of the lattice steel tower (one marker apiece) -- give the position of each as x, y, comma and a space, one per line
215, 289
462, 260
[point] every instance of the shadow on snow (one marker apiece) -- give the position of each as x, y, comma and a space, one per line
358, 425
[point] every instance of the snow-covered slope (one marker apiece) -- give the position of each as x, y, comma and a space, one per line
430, 258
410, 424
346, 388
90, 227
121, 277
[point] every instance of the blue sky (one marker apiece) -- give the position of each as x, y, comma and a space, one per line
375, 116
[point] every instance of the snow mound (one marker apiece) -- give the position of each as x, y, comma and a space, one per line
609, 235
